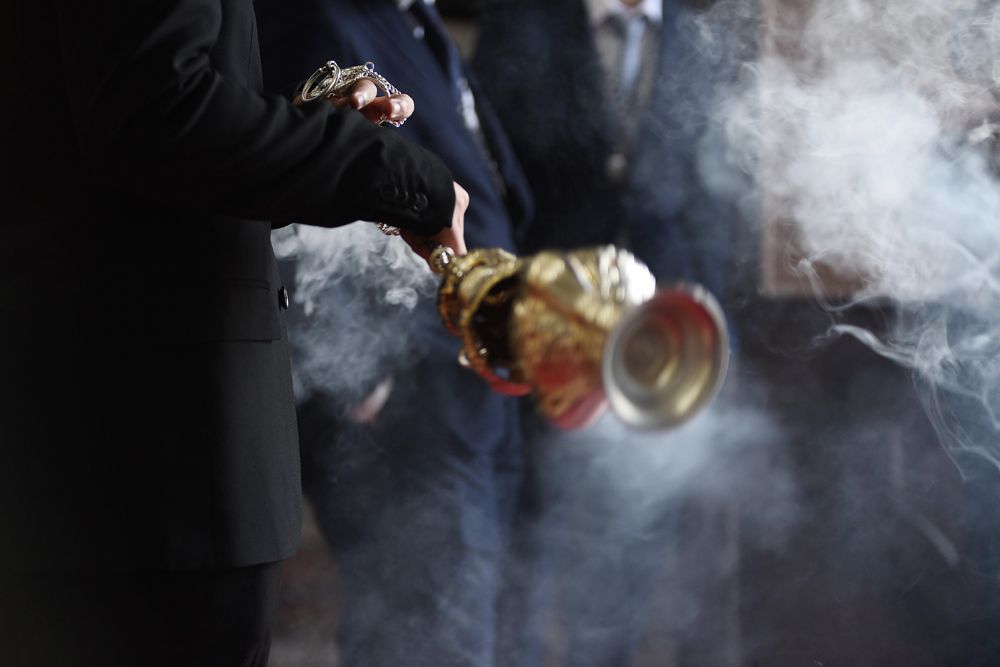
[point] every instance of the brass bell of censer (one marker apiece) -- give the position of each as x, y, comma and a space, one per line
582, 330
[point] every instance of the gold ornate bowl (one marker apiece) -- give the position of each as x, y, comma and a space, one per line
583, 329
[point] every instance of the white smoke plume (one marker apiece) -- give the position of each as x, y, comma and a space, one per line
870, 129
354, 293
719, 454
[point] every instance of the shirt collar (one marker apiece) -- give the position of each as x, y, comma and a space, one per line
600, 10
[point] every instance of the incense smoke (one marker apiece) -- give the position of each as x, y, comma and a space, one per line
354, 293
871, 131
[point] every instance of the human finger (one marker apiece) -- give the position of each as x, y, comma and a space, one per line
362, 94
402, 107
454, 236
395, 109
368, 409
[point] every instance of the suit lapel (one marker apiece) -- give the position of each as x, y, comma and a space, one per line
381, 17
430, 78
518, 197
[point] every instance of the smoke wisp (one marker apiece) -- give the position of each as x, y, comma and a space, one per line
870, 131
355, 293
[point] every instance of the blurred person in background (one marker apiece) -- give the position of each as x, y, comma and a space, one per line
622, 151
414, 496
616, 153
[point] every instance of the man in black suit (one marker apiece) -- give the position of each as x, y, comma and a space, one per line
416, 505
149, 482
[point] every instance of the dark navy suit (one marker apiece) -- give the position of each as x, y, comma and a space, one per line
661, 208
150, 475
414, 506
665, 205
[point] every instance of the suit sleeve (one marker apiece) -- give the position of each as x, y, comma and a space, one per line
154, 116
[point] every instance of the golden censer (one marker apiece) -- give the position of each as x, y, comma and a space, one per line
584, 329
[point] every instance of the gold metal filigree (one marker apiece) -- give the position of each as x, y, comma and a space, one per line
581, 328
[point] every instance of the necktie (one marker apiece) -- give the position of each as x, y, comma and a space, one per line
626, 60
631, 54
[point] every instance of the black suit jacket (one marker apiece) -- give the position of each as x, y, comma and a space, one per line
146, 417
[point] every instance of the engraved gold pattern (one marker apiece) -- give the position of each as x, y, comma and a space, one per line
578, 328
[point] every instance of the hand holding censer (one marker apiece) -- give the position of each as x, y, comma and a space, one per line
580, 329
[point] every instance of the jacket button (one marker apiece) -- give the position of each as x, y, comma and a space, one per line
616, 168
283, 301
420, 202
